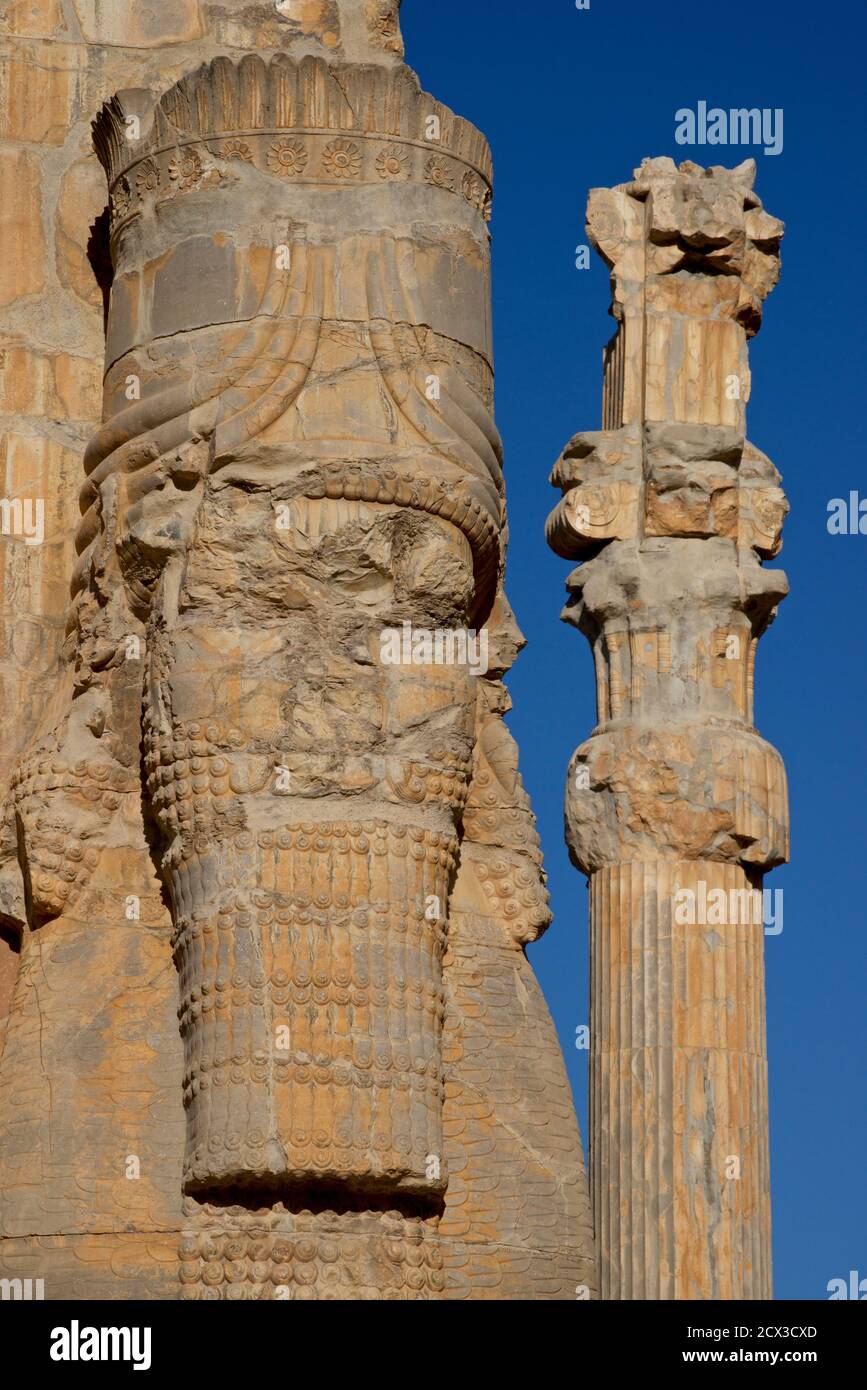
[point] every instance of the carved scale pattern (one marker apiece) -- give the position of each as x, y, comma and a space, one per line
234, 1254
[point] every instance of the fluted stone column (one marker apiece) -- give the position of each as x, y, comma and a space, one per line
675, 806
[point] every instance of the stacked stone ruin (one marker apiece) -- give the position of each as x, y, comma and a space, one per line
268, 1027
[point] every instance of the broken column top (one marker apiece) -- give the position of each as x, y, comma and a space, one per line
686, 218
351, 31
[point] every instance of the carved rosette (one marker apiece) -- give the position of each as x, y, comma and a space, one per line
297, 453
313, 422
310, 123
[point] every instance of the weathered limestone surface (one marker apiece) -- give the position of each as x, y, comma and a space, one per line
274, 1033
59, 61
672, 512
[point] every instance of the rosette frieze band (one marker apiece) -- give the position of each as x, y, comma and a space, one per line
272, 752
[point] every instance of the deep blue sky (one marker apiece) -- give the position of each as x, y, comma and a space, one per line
571, 100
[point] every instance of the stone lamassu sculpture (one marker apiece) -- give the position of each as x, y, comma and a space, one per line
299, 457
675, 807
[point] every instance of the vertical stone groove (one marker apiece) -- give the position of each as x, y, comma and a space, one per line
675, 807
